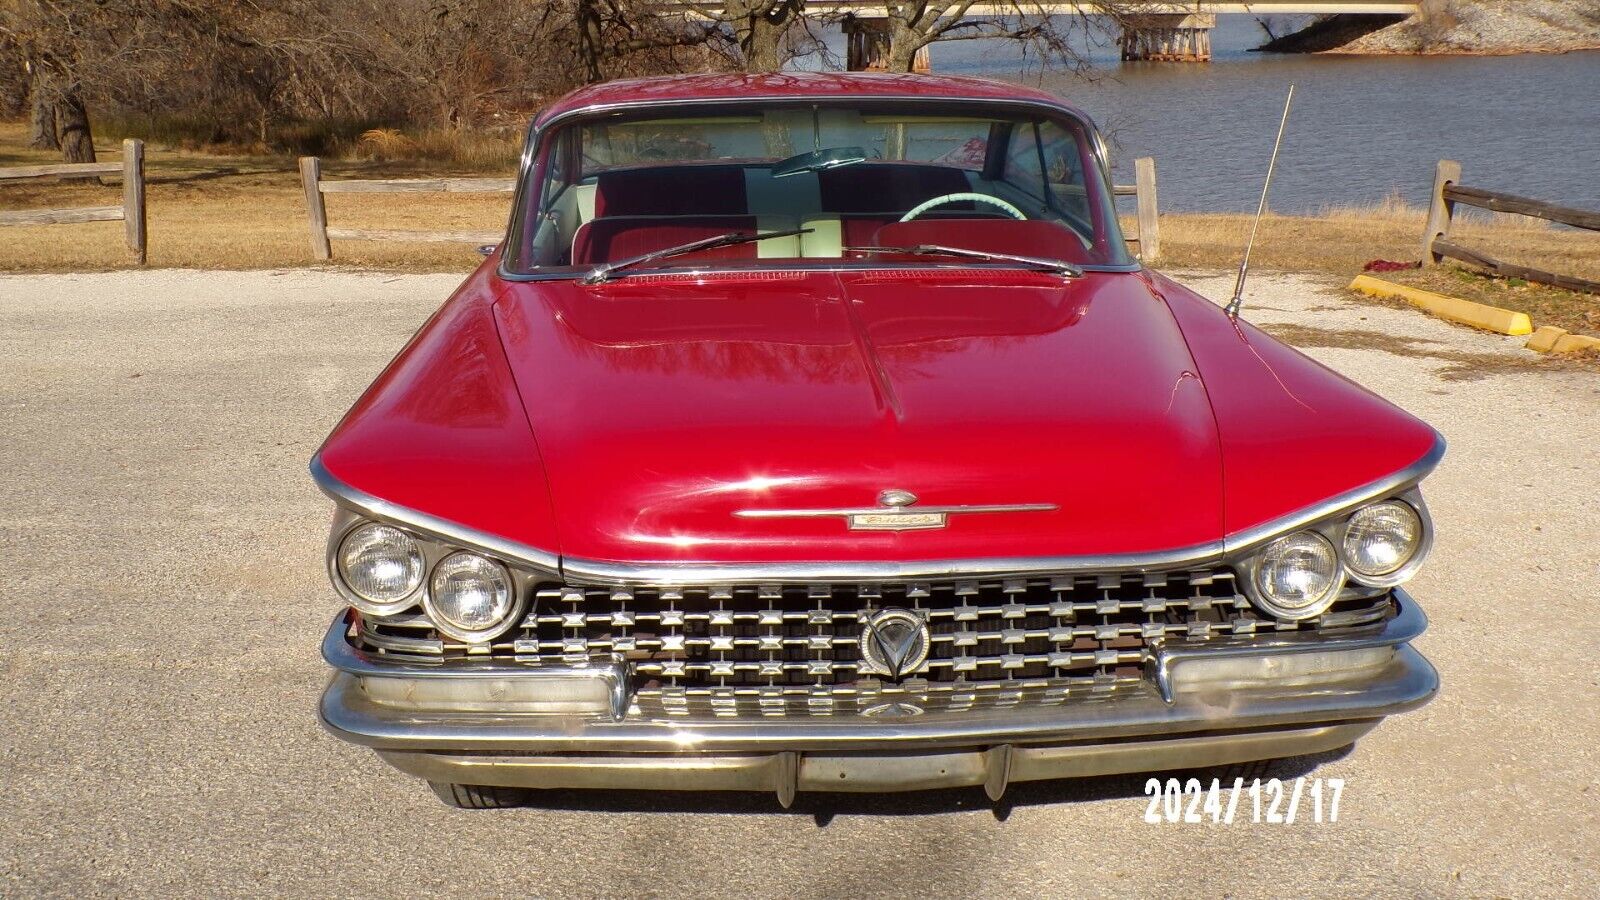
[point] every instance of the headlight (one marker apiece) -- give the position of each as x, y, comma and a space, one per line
1298, 576
1381, 539
470, 598
381, 566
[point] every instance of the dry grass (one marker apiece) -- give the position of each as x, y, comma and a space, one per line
1340, 241
247, 212
244, 212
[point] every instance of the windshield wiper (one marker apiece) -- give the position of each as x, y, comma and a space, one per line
602, 273
1059, 266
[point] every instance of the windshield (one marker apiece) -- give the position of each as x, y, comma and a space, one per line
831, 183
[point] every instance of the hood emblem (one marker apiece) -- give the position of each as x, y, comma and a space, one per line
896, 511
895, 643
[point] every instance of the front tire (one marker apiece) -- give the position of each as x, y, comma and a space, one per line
480, 796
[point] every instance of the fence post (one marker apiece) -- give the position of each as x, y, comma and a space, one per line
1144, 170
316, 210
133, 219
1440, 210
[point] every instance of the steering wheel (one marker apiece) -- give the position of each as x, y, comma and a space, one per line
941, 200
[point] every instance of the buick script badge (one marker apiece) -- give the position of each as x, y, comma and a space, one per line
896, 511
895, 643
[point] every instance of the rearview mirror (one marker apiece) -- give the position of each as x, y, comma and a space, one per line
826, 158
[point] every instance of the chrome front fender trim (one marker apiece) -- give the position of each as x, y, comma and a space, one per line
443, 530
1394, 483
584, 571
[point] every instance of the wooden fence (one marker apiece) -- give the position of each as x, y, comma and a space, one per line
317, 211
1448, 191
1148, 239
130, 212
1144, 189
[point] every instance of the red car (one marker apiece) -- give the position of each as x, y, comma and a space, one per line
819, 433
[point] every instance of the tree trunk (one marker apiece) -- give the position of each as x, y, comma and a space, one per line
760, 28
590, 42
43, 134
903, 46
762, 49
77, 142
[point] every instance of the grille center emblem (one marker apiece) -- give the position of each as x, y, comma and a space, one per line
895, 643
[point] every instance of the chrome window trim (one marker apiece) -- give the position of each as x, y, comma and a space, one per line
865, 266
578, 571
537, 130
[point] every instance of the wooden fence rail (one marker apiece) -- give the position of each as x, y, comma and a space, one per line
1148, 239
131, 212
317, 211
1144, 189
1448, 191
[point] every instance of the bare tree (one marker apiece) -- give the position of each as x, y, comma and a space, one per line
628, 37
760, 28
50, 35
915, 24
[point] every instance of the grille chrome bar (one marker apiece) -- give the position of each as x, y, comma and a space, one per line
788, 641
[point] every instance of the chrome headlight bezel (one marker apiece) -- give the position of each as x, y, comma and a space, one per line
1332, 528
435, 548
336, 573
1252, 571
1412, 499
448, 628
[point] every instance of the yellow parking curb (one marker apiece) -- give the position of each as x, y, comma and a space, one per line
1572, 343
1544, 340
1478, 315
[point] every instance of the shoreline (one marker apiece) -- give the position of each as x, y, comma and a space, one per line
1485, 51
1452, 28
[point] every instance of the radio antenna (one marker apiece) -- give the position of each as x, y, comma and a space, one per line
1244, 264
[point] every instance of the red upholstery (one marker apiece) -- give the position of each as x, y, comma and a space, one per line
671, 191
619, 237
1034, 237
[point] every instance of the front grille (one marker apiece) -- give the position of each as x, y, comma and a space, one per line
794, 641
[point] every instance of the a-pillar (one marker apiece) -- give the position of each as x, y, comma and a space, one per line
1168, 38
867, 45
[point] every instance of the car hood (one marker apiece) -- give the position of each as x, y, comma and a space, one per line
666, 408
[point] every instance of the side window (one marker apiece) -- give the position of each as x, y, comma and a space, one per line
1022, 161
559, 173
1064, 170
551, 234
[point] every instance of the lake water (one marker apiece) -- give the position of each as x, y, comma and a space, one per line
1362, 128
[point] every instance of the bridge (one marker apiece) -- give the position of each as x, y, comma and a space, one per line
1174, 31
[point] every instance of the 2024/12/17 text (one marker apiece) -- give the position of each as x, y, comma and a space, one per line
1268, 802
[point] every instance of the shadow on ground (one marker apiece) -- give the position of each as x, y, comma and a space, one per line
824, 807
1460, 365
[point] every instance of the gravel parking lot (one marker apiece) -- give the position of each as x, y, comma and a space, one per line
165, 598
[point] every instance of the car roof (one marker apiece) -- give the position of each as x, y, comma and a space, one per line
795, 85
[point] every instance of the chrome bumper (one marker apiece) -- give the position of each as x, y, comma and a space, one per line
1167, 721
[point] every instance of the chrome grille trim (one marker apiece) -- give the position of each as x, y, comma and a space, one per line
769, 644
